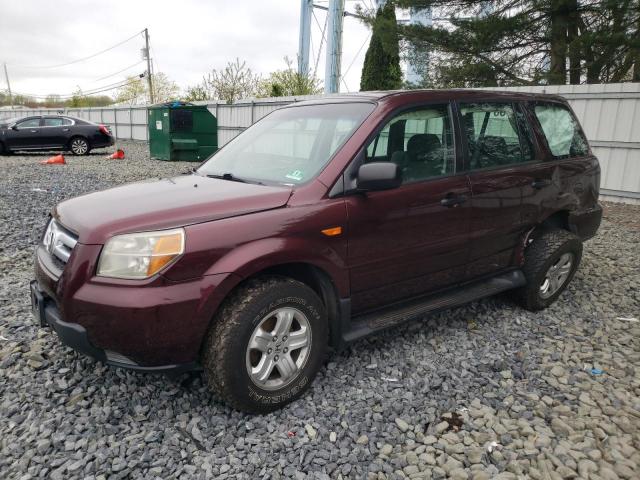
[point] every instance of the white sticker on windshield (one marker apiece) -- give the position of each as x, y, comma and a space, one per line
295, 175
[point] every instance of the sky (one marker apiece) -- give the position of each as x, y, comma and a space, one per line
188, 39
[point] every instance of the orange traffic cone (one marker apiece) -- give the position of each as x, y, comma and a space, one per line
55, 160
117, 155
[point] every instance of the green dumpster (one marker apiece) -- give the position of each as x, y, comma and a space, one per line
182, 132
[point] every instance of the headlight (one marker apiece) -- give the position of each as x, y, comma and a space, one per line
140, 255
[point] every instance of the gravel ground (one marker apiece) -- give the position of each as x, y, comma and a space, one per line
483, 391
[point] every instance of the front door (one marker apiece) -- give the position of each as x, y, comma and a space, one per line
25, 135
498, 148
413, 239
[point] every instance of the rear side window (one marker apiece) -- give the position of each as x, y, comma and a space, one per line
53, 122
561, 131
497, 135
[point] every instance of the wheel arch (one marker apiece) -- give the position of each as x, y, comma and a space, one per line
558, 219
309, 274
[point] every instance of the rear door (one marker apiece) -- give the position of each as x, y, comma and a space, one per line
413, 239
26, 134
54, 132
498, 144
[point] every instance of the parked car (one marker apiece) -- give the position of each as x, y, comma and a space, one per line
53, 132
326, 221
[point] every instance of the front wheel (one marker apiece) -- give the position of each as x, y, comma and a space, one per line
550, 263
79, 146
266, 344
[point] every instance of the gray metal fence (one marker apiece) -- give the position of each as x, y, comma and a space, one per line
610, 115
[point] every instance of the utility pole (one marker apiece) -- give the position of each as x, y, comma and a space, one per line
6, 76
334, 47
148, 55
306, 7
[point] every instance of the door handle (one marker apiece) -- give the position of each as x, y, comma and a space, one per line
34, 131
65, 129
453, 200
538, 184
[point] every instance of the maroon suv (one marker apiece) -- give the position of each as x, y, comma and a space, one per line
324, 222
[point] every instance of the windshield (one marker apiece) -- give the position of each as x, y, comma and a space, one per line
290, 146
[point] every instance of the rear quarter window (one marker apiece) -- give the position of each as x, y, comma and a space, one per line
561, 130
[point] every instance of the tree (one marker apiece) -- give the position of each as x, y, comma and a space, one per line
133, 92
136, 92
289, 83
78, 99
381, 69
53, 100
164, 89
196, 93
235, 81
523, 42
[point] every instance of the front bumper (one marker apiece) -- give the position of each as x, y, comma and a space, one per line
151, 325
75, 336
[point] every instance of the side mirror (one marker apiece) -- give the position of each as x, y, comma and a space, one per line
379, 176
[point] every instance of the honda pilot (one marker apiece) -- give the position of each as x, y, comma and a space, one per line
326, 221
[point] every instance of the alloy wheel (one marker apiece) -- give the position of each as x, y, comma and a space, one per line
79, 146
557, 275
279, 348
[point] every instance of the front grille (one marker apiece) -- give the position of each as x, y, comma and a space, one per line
59, 242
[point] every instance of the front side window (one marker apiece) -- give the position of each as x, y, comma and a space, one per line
496, 135
53, 122
420, 142
32, 123
290, 146
561, 131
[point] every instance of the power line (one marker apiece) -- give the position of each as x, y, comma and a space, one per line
119, 71
105, 88
356, 55
79, 59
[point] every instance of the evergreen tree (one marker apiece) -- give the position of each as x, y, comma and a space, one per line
381, 69
527, 42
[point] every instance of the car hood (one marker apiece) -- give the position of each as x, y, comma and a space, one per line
164, 203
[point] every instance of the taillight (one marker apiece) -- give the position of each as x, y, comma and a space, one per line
105, 130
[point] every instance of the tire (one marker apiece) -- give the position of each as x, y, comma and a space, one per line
79, 146
265, 302
550, 249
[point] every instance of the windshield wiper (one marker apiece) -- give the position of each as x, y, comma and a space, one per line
232, 178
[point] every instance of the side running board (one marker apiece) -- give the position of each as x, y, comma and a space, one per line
398, 313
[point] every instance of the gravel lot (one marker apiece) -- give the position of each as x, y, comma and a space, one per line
484, 391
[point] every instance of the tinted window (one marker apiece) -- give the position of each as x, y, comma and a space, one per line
497, 135
419, 141
34, 122
289, 146
67, 121
561, 131
53, 122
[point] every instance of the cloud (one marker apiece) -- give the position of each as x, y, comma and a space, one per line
188, 39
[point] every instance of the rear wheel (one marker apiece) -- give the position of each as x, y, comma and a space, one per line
550, 263
79, 146
266, 344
